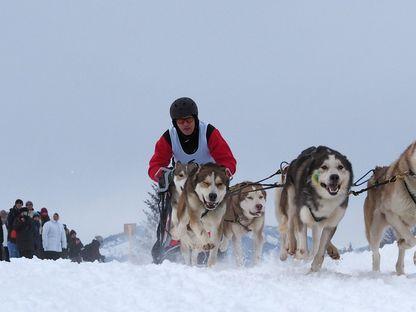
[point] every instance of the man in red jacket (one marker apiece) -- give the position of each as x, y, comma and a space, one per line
190, 140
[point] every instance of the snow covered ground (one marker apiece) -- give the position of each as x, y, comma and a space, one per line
346, 285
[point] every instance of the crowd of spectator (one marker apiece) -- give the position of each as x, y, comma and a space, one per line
28, 233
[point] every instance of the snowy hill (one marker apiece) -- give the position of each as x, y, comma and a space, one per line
116, 247
346, 285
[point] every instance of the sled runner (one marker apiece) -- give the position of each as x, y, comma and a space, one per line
162, 247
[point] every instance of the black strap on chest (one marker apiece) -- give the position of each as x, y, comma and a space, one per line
205, 213
410, 193
317, 219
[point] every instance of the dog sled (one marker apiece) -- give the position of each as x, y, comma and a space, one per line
163, 247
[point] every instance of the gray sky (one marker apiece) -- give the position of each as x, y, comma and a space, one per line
85, 89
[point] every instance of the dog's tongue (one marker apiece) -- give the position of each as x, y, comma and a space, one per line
333, 188
210, 205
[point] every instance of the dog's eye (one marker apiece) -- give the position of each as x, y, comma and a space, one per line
206, 184
249, 197
340, 167
324, 167
261, 197
181, 175
220, 184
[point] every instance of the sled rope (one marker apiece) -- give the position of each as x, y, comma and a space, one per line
265, 186
393, 179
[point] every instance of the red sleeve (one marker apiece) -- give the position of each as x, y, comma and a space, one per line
221, 152
161, 157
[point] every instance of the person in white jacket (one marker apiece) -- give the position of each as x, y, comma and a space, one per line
53, 238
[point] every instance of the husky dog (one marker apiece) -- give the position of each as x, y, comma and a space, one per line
393, 204
315, 195
180, 175
201, 210
245, 213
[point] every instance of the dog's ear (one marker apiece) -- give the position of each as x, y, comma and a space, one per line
228, 175
264, 194
190, 167
242, 194
193, 174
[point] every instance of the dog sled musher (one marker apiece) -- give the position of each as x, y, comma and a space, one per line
189, 140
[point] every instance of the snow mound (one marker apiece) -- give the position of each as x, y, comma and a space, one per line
346, 285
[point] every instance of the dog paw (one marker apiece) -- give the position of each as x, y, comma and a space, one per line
208, 246
316, 267
301, 254
283, 256
333, 252
291, 252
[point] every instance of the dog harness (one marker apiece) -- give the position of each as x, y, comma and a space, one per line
201, 155
412, 196
238, 217
317, 219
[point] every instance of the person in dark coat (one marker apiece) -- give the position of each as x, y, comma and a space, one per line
91, 252
25, 229
44, 216
74, 247
38, 237
11, 231
65, 254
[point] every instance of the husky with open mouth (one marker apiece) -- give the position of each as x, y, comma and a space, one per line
245, 214
201, 210
315, 195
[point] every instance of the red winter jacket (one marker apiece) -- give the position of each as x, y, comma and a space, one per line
218, 148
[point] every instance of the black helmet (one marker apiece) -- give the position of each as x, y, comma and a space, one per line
183, 107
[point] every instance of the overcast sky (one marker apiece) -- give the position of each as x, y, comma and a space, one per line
85, 90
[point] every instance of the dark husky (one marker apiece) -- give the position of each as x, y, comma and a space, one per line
315, 195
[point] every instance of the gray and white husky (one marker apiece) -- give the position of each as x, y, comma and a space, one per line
315, 195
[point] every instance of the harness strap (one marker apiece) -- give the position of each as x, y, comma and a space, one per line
317, 219
410, 193
238, 221
205, 213
377, 184
233, 190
